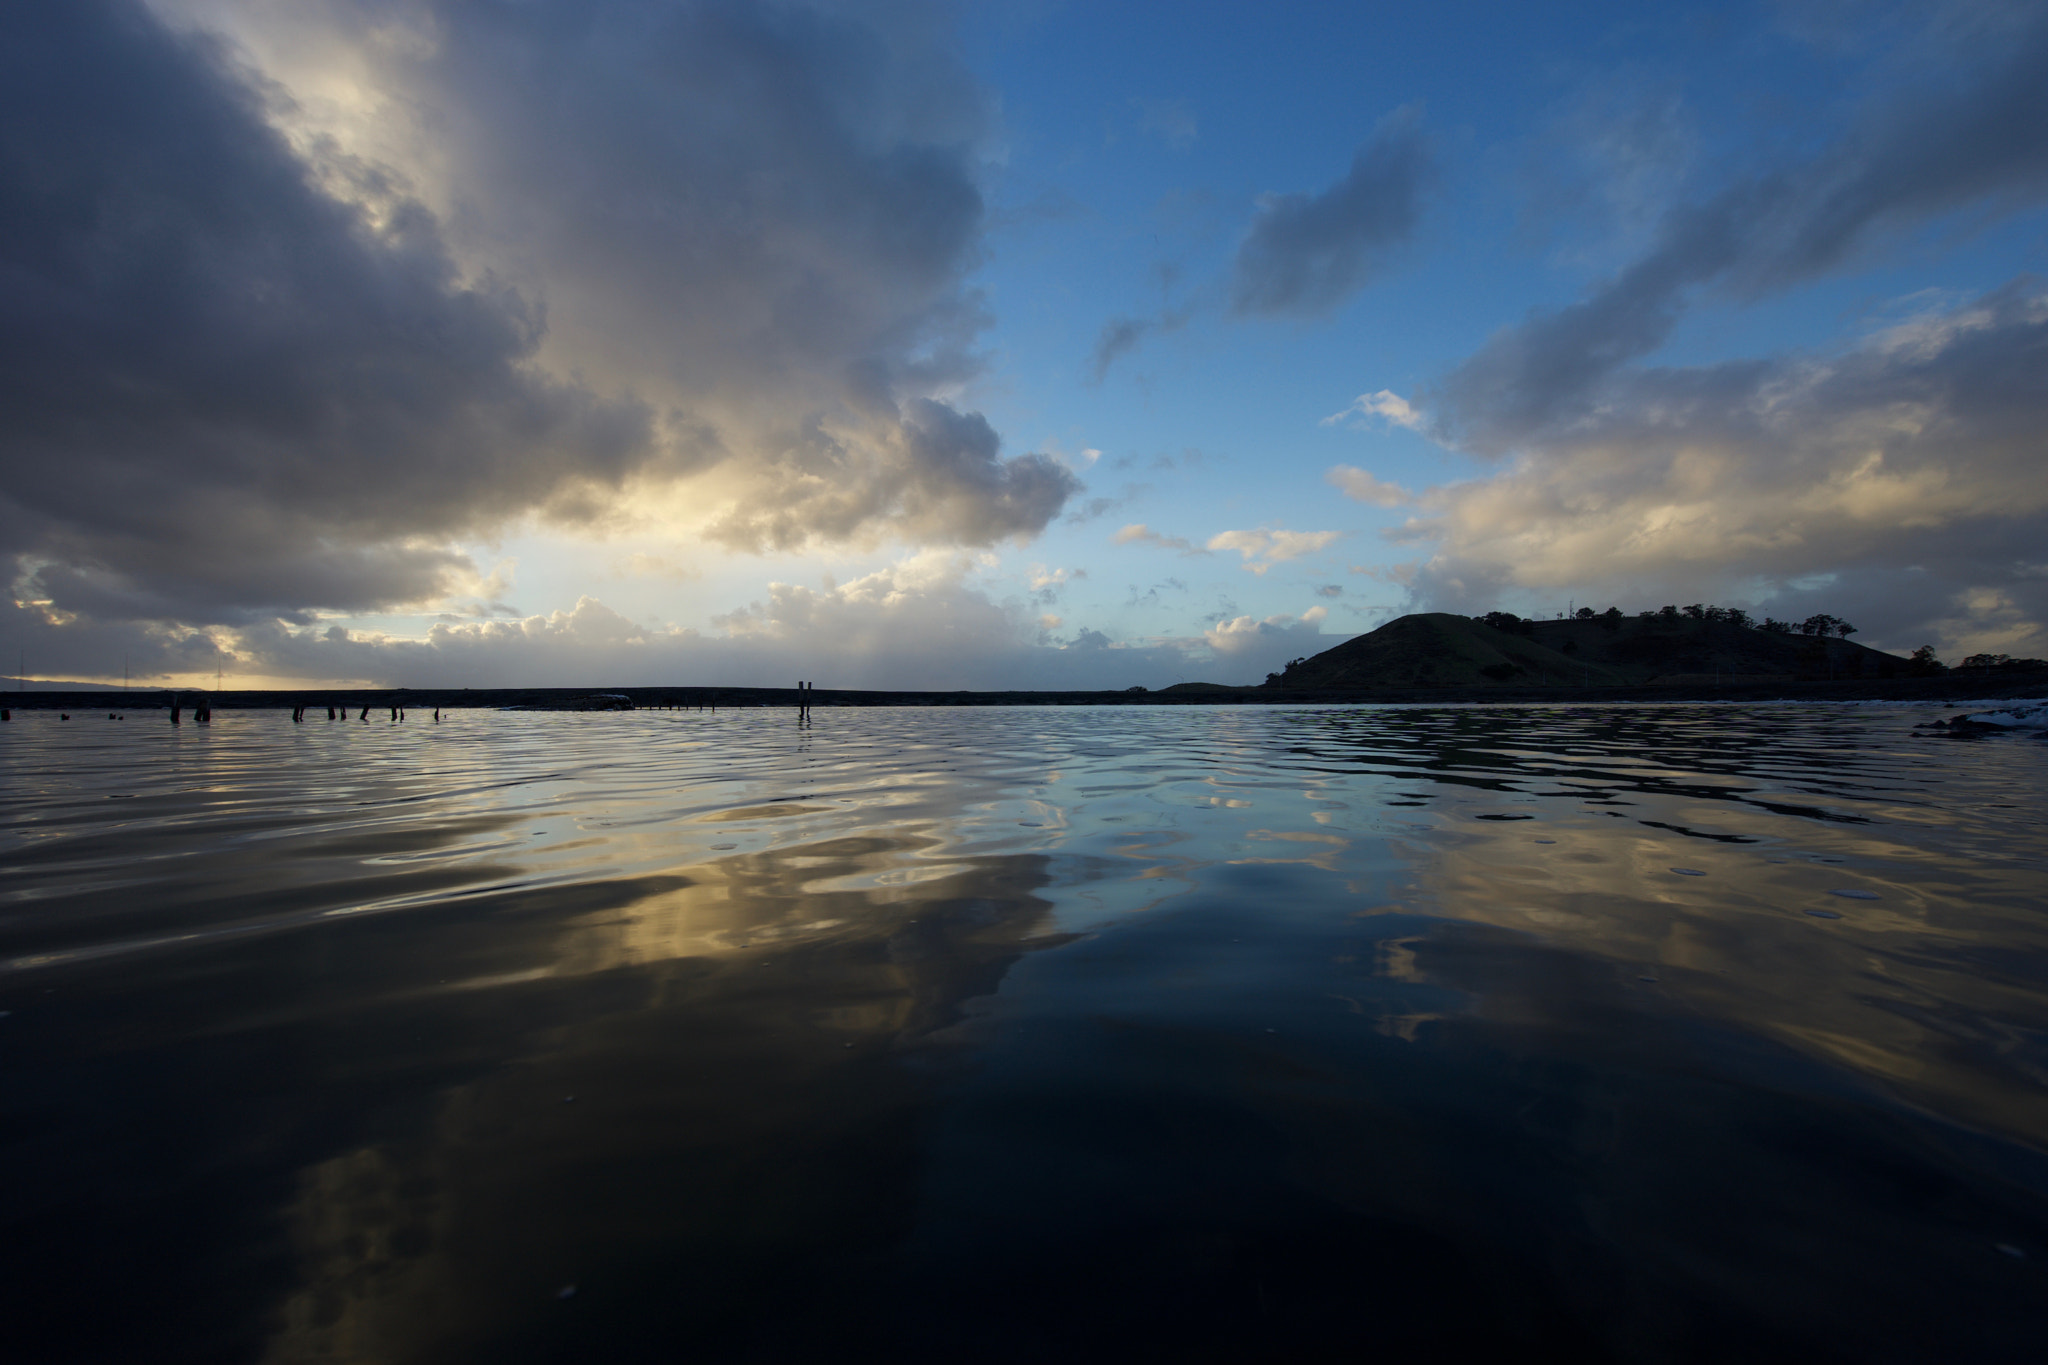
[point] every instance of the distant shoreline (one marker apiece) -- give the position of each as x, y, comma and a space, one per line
1974, 686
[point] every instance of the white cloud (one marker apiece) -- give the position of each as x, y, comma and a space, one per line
1385, 404
1138, 533
1257, 647
1261, 549
1362, 486
928, 621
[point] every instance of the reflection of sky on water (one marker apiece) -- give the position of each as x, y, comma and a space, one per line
426, 1023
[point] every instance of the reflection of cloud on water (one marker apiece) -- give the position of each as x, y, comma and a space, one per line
732, 1043
1331, 847
1894, 989
1897, 938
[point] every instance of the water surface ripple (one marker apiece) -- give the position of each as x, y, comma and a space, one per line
1592, 1033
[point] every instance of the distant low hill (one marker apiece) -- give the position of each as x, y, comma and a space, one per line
1438, 649
37, 685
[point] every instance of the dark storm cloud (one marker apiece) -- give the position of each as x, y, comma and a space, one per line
756, 215
222, 391
1307, 253
1974, 134
252, 368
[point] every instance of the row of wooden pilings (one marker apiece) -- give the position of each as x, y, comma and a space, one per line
397, 713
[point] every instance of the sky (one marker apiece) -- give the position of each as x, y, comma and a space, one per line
445, 343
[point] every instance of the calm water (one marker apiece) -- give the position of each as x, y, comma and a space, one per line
1629, 1033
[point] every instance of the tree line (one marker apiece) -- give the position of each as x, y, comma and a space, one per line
1820, 624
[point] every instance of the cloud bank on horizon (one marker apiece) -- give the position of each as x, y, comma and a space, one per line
332, 327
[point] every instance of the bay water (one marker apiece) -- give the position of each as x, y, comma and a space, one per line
1633, 1033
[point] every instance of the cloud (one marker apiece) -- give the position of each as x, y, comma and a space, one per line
1306, 254
1385, 404
224, 393
921, 623
1151, 596
1262, 549
1329, 590
1138, 533
271, 350
1258, 646
1359, 484
1610, 162
1122, 335
929, 473
1909, 464
1976, 135
1172, 121
1046, 585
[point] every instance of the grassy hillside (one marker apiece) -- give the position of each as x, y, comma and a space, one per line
1661, 649
1437, 649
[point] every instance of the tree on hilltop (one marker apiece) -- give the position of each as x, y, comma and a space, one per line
1509, 622
1823, 625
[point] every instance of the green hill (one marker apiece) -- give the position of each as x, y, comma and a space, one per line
1663, 649
1438, 649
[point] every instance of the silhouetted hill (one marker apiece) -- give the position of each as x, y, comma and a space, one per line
1437, 649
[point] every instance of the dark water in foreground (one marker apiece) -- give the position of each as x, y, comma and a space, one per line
1653, 1033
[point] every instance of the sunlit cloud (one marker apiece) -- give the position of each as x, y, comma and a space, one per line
1363, 487
1386, 405
1899, 479
1261, 549
1138, 533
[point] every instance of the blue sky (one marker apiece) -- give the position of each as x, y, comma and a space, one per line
406, 342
